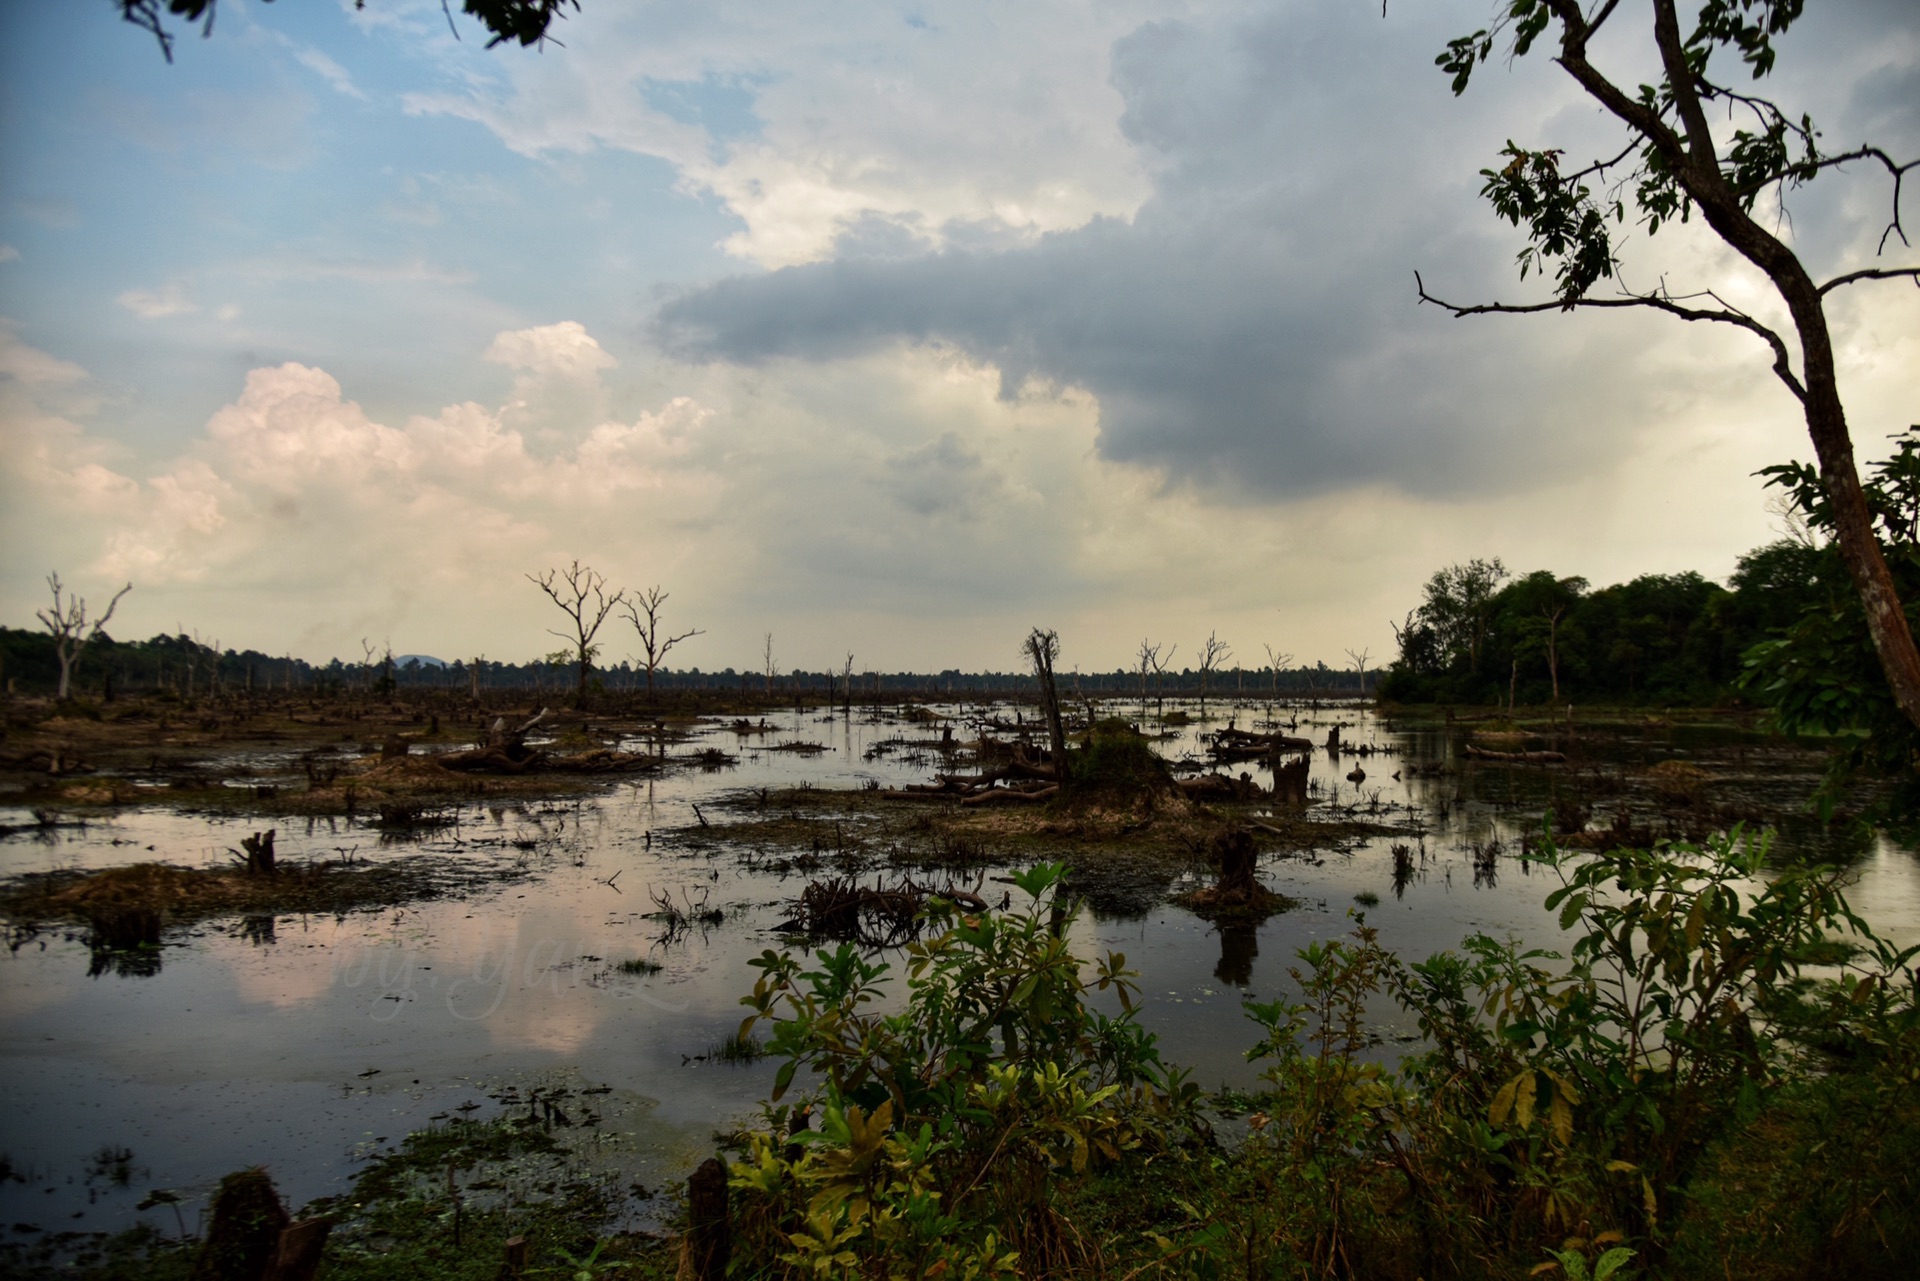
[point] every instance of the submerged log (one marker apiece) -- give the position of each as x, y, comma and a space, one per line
1516, 758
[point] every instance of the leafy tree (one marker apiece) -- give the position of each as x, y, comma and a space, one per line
1459, 608
1670, 165
1539, 605
526, 22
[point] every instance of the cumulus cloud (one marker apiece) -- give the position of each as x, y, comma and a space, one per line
565, 350
894, 501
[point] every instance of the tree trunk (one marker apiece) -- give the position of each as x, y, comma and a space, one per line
1699, 173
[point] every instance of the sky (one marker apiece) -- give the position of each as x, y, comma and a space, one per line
889, 329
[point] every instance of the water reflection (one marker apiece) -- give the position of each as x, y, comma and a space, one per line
1239, 946
577, 966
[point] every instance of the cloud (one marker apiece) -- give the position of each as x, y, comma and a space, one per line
564, 350
1252, 327
9, 254
22, 363
806, 120
327, 69
895, 501
156, 304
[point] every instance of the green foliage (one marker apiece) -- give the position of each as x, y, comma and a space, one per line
1671, 638
943, 1125
1566, 224
1820, 673
1662, 1089
1116, 760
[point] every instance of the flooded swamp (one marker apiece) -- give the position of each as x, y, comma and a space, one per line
577, 956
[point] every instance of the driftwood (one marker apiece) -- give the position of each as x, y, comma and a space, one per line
1027, 780
1516, 758
41, 761
490, 760
1011, 795
1230, 745
504, 752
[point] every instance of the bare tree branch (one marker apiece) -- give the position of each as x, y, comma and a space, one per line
1874, 273
1782, 362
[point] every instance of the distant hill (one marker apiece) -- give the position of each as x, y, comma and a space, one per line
425, 660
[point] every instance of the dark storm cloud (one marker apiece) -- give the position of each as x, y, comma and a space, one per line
1254, 327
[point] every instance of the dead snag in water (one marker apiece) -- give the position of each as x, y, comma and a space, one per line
1237, 892
709, 1239
259, 857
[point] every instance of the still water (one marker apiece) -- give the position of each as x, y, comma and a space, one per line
305, 1043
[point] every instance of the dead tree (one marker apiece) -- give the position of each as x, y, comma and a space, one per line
1161, 662
1149, 656
1276, 659
846, 686
1042, 650
771, 669
71, 631
652, 641
1213, 652
1360, 660
581, 594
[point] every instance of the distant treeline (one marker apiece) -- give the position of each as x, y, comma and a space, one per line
185, 667
1482, 636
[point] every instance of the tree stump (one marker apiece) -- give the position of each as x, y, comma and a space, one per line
1290, 780
245, 1233
259, 848
1235, 852
297, 1257
709, 1231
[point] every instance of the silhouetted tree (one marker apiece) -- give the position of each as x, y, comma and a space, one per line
67, 622
581, 595
654, 642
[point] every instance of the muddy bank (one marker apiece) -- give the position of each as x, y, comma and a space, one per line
1124, 858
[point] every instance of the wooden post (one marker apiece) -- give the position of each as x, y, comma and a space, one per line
516, 1256
709, 1231
297, 1257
